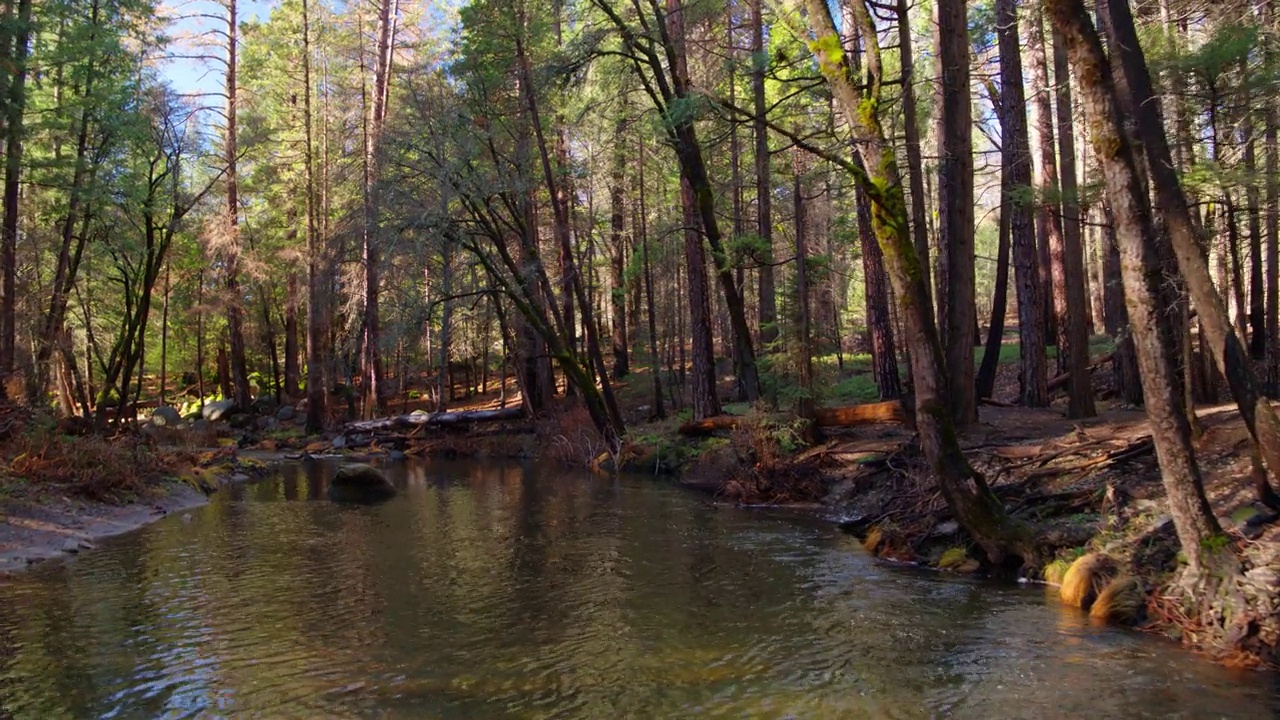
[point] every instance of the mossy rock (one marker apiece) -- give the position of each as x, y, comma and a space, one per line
1121, 602
952, 559
1085, 579
359, 483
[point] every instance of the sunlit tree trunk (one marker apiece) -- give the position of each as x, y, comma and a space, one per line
965, 491
231, 254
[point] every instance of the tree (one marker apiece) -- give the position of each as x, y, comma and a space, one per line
955, 208
768, 301
1212, 569
1034, 370
964, 489
1228, 351
15, 107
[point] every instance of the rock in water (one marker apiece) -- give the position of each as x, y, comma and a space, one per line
360, 484
218, 409
165, 416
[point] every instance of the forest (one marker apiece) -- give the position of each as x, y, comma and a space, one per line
684, 208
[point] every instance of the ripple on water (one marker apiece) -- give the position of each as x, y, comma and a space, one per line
491, 590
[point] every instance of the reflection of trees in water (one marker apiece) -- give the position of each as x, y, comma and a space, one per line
493, 586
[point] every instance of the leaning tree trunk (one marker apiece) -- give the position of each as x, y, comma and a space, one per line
965, 491
1212, 580
1228, 352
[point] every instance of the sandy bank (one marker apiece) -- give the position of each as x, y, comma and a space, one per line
32, 532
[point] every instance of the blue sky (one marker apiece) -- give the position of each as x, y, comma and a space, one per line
201, 76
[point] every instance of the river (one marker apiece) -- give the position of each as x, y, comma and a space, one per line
495, 590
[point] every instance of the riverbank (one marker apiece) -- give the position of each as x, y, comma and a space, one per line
61, 492
33, 531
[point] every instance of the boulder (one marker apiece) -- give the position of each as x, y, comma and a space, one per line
267, 423
263, 405
360, 484
285, 413
218, 410
165, 415
240, 420
200, 425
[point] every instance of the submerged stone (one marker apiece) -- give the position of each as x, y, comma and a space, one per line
359, 483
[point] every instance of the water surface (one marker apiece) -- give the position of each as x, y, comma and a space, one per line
494, 590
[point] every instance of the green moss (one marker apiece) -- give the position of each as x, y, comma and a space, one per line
952, 558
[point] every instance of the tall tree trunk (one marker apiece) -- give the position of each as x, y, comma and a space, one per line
911, 133
617, 249
884, 359
768, 302
1229, 353
15, 109
444, 384
375, 116
642, 235
1271, 144
1257, 301
292, 371
1026, 259
235, 310
803, 324
317, 333
955, 207
986, 378
1067, 267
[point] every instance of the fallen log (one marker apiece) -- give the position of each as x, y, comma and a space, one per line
421, 419
889, 411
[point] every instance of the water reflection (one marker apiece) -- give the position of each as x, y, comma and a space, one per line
496, 590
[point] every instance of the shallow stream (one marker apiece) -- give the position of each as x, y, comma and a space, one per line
494, 590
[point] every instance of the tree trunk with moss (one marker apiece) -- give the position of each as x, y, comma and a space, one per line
965, 490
